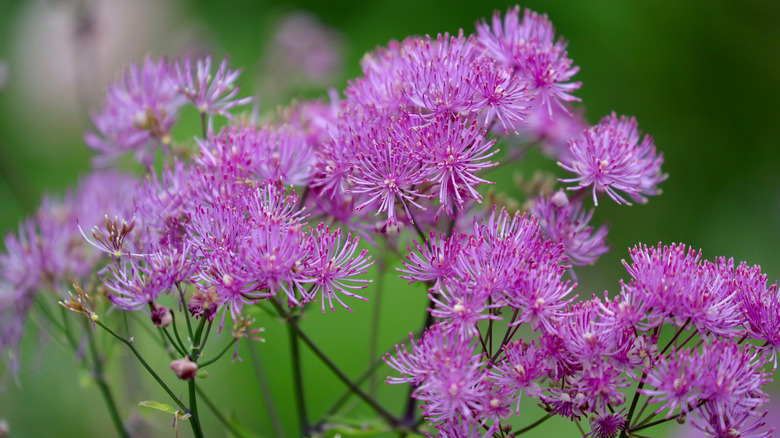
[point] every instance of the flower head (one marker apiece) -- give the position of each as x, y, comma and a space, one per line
609, 157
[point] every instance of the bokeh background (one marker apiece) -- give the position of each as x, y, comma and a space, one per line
703, 78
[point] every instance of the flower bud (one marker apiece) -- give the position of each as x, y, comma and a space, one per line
161, 316
184, 368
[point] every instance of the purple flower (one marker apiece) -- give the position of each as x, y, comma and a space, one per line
566, 223
609, 157
459, 307
601, 384
760, 306
437, 75
384, 169
138, 112
451, 154
676, 382
134, 285
733, 423
521, 366
731, 377
500, 95
333, 266
607, 425
436, 261
530, 49
211, 94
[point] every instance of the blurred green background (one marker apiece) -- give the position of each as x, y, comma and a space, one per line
703, 78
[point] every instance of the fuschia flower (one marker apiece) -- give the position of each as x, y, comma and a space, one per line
460, 308
675, 380
211, 94
276, 259
500, 95
435, 348
522, 365
606, 425
760, 305
530, 49
135, 284
587, 340
138, 112
567, 403
436, 260
332, 267
731, 377
451, 154
565, 222
609, 157
385, 171
601, 384
732, 423
437, 74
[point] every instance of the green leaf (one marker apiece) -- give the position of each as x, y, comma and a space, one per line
165, 408
159, 406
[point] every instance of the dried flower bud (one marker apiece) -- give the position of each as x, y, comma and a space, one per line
506, 427
681, 419
161, 316
559, 199
184, 368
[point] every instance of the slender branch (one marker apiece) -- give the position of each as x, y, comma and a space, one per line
532, 425
185, 310
140, 358
203, 124
218, 414
195, 419
506, 337
676, 335
300, 399
102, 384
265, 390
178, 349
202, 365
375, 364
379, 409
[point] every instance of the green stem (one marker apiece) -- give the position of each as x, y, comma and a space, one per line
195, 419
300, 400
265, 390
379, 409
140, 358
532, 425
185, 310
176, 331
222, 419
211, 361
172, 342
102, 384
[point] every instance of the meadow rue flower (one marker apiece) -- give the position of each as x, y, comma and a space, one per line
566, 222
609, 157
212, 94
332, 266
139, 111
529, 47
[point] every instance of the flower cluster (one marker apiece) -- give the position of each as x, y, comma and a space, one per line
280, 212
587, 352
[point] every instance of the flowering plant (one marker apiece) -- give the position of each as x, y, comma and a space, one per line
271, 216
